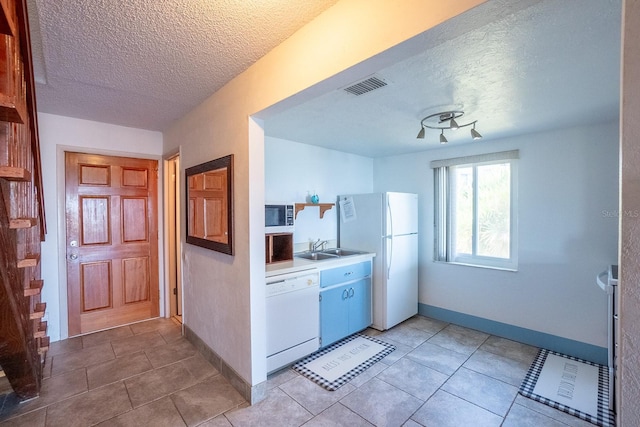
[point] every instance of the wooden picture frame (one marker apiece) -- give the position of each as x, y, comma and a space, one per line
209, 204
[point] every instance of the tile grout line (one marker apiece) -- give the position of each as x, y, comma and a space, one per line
457, 370
133, 408
448, 378
468, 401
518, 356
86, 381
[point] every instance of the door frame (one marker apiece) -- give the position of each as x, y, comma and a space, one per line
168, 204
62, 232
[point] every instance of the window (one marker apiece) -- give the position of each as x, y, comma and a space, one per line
475, 210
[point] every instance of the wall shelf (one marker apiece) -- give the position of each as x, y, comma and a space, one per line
323, 207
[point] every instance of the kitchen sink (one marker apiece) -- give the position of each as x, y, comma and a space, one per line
328, 254
316, 256
342, 252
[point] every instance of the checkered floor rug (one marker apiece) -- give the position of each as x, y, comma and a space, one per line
337, 364
571, 385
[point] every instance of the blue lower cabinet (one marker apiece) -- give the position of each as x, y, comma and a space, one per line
359, 305
334, 314
346, 273
344, 310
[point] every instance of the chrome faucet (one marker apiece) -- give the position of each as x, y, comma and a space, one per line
318, 244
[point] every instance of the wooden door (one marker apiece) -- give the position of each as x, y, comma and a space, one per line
172, 167
112, 241
208, 206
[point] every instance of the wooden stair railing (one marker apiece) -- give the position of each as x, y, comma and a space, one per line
23, 330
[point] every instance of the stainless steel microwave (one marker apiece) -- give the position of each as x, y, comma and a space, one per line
279, 217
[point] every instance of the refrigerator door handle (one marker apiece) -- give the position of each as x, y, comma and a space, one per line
390, 220
389, 255
390, 237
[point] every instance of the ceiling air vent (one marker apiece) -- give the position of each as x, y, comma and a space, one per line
366, 85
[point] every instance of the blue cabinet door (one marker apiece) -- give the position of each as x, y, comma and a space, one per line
334, 314
359, 305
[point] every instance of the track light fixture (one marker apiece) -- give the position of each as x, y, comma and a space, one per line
474, 133
438, 120
443, 139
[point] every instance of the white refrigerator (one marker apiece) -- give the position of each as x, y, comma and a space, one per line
387, 224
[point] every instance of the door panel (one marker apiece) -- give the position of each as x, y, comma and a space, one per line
134, 214
94, 220
136, 279
213, 224
134, 177
96, 285
94, 175
112, 241
208, 193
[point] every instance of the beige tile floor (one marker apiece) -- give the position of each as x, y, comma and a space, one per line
146, 374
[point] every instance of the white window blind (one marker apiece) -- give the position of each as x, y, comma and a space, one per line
475, 215
478, 158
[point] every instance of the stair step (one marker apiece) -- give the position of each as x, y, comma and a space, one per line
42, 330
38, 312
35, 287
43, 345
8, 19
29, 261
14, 174
19, 223
13, 108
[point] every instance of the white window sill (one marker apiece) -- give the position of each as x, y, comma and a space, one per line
490, 267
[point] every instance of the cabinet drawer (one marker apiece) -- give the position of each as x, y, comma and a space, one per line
344, 274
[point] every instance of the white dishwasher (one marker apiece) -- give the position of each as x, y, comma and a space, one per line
608, 282
292, 317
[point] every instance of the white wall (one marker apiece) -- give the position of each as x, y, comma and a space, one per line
293, 169
568, 199
628, 374
59, 134
223, 295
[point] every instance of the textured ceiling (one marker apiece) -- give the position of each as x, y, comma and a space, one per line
516, 66
145, 63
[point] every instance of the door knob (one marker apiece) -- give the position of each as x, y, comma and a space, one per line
73, 257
